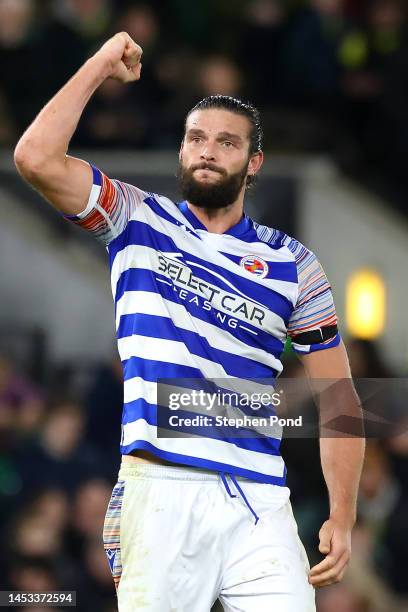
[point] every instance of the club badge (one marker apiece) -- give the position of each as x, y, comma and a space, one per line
255, 265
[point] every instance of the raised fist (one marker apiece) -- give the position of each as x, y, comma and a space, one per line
123, 56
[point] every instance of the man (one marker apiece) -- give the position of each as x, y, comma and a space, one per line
201, 291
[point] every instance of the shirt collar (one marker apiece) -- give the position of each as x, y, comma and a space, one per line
236, 230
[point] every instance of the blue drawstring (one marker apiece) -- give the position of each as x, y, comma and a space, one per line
240, 491
226, 485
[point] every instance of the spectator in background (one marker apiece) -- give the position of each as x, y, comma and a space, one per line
21, 405
263, 31
22, 409
32, 42
174, 70
90, 19
295, 45
379, 498
328, 74
379, 491
94, 589
48, 547
53, 506
142, 23
94, 581
87, 518
366, 52
373, 59
89, 507
391, 148
114, 119
219, 75
33, 575
59, 457
119, 116
215, 74
309, 65
18, 50
35, 553
33, 537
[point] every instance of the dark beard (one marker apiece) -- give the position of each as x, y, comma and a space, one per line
218, 195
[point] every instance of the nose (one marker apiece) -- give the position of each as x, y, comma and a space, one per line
207, 153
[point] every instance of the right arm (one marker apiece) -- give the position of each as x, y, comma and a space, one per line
41, 154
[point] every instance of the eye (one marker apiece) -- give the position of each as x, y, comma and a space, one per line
227, 144
196, 139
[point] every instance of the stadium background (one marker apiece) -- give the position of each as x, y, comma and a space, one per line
331, 80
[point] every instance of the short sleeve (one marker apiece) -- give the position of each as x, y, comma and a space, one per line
313, 323
110, 206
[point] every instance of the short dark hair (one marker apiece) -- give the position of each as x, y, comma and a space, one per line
234, 105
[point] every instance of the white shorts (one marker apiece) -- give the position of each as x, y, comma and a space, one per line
176, 541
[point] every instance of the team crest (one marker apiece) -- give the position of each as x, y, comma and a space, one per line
255, 265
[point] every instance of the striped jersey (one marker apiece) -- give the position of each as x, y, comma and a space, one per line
191, 304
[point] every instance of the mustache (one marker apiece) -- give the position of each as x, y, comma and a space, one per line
207, 166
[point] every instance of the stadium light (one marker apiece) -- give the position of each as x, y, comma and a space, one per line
365, 304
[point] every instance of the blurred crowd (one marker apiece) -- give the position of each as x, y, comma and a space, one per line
328, 75
59, 456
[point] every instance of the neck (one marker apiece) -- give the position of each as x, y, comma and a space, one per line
219, 220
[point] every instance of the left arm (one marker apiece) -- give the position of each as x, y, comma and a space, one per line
342, 454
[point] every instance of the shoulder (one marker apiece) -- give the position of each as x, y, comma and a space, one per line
268, 235
277, 239
152, 200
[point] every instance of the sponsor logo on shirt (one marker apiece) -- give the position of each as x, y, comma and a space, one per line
191, 288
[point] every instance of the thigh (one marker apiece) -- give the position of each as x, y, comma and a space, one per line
268, 570
155, 553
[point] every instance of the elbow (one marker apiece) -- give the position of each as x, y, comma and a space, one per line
28, 161
20, 157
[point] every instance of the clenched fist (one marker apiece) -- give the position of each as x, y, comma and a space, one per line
122, 55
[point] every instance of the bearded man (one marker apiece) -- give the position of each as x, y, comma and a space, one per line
201, 292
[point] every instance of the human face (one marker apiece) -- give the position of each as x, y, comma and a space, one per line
215, 159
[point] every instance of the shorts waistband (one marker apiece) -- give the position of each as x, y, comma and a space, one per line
185, 474
147, 470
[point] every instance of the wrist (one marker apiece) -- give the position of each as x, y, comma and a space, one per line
102, 66
344, 517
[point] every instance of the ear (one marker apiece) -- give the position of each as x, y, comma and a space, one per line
255, 163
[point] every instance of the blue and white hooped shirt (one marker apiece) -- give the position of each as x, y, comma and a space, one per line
193, 304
